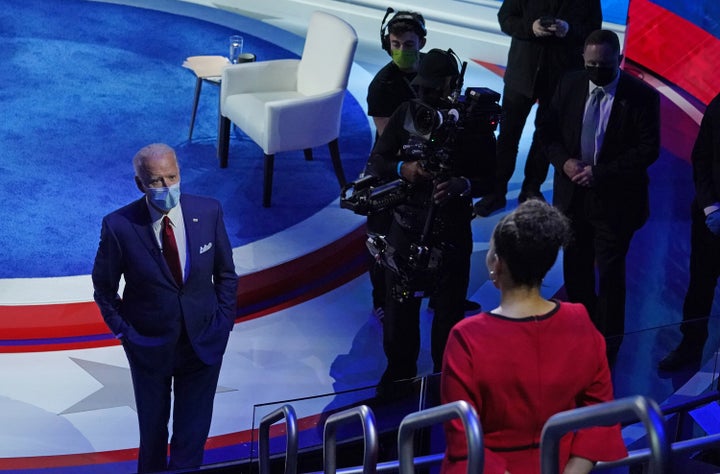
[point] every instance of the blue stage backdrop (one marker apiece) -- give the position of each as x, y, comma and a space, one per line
85, 85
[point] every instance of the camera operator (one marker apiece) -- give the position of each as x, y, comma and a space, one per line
402, 37
436, 213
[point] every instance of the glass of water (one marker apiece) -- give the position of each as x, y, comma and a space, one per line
236, 46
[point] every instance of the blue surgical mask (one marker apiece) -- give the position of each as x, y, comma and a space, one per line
164, 198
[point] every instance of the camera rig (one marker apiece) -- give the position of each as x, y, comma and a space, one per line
433, 132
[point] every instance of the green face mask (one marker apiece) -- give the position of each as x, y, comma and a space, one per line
404, 58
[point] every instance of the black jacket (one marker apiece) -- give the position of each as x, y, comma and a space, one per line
631, 144
706, 157
535, 64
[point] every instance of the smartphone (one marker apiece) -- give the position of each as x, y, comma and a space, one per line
547, 21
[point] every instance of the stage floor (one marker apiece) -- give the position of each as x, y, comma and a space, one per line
74, 407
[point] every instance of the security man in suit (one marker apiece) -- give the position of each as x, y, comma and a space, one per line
601, 133
177, 307
547, 42
704, 243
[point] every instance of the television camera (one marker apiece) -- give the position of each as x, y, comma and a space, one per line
433, 133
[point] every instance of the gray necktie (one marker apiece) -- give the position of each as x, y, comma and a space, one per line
590, 124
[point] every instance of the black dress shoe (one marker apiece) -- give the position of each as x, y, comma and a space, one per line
489, 204
681, 357
527, 195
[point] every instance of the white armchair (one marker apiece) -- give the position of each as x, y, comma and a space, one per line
291, 104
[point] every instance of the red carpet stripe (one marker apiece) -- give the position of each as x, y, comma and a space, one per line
240, 438
674, 48
37, 328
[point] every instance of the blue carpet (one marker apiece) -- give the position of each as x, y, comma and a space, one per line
85, 85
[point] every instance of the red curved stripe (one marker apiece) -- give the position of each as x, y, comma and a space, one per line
674, 48
33, 328
123, 455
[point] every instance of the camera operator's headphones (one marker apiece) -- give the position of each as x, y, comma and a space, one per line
413, 18
439, 61
457, 83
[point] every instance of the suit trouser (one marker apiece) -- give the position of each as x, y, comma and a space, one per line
401, 323
194, 384
704, 273
596, 243
516, 108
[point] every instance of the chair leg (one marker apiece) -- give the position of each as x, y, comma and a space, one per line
308, 154
337, 164
198, 88
223, 141
267, 179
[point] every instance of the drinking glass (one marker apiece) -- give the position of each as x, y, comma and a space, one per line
236, 46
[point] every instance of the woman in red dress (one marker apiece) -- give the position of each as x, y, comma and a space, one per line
527, 359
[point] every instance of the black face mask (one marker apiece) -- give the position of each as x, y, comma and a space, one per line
601, 75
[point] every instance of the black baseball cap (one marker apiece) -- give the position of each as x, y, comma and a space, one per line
435, 66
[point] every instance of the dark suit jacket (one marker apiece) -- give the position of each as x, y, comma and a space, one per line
706, 157
535, 64
152, 306
619, 195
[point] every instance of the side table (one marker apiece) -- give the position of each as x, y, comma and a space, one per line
206, 69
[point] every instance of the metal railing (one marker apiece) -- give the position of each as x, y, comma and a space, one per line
370, 438
291, 451
435, 415
605, 414
680, 410
625, 410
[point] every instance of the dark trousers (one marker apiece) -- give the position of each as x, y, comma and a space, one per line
194, 384
516, 108
401, 324
704, 273
596, 243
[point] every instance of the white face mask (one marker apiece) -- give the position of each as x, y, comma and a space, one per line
164, 198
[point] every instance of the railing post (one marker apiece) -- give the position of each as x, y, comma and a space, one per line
370, 439
605, 414
431, 416
287, 412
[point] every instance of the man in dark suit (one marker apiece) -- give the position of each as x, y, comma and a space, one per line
547, 41
177, 307
601, 133
704, 243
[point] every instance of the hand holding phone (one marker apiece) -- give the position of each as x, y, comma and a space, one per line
546, 21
